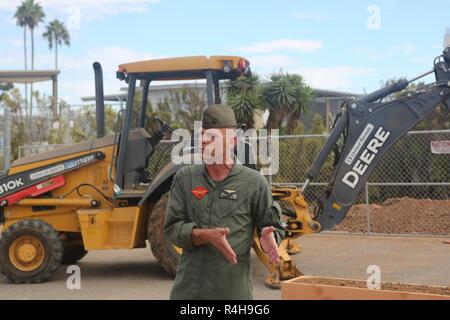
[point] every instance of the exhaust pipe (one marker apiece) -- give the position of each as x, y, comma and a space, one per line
99, 100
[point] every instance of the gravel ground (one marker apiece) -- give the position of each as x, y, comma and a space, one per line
134, 274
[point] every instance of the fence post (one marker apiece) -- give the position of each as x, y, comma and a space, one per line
367, 208
7, 139
269, 149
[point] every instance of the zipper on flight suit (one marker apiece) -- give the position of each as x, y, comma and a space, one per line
207, 247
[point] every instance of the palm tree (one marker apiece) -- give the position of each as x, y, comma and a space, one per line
278, 96
33, 16
20, 16
243, 96
303, 97
56, 35
287, 97
243, 84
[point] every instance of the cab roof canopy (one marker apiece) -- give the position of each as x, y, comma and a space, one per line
186, 68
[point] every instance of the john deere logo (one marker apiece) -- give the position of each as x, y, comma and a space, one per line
351, 178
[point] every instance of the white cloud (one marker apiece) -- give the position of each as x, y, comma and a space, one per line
373, 54
270, 61
89, 9
77, 76
420, 60
71, 91
284, 45
109, 57
404, 49
12, 58
337, 78
369, 53
311, 15
10, 41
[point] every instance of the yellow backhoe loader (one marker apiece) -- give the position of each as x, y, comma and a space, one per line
101, 194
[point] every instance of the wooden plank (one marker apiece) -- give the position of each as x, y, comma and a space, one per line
295, 290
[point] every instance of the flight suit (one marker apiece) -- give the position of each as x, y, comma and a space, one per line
242, 202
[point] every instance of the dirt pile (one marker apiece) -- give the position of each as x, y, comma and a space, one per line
392, 286
401, 216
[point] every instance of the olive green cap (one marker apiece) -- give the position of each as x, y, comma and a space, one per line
218, 116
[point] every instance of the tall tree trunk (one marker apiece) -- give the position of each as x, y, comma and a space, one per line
293, 119
30, 128
55, 98
271, 121
26, 68
32, 48
56, 56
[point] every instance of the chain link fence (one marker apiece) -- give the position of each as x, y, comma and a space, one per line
4, 153
3, 168
25, 151
407, 194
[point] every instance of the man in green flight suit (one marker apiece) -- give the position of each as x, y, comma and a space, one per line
212, 213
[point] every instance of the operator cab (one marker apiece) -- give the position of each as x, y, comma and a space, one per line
136, 146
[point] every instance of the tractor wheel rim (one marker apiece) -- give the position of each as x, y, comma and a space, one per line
26, 253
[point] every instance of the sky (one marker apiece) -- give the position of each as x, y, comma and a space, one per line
347, 45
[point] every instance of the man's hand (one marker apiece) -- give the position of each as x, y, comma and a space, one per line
269, 244
217, 238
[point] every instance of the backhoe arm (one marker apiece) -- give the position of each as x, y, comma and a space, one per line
369, 128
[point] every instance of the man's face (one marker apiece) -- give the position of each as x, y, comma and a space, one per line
218, 145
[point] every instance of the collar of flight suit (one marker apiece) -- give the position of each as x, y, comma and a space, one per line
234, 171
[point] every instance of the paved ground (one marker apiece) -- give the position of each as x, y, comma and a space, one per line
134, 274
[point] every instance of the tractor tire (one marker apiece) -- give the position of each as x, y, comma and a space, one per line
73, 254
30, 251
162, 248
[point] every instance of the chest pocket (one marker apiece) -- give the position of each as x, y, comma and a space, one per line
233, 208
236, 215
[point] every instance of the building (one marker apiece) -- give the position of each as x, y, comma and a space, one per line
33, 76
326, 102
447, 38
